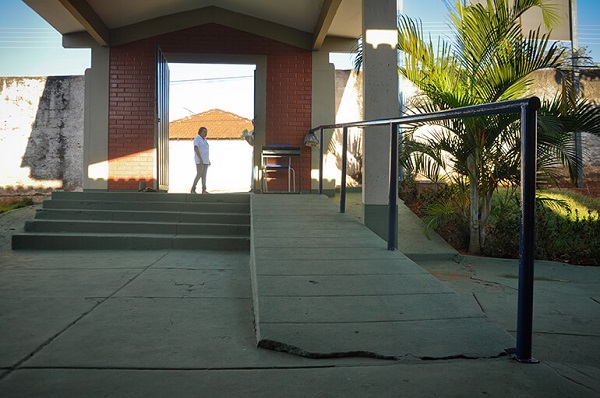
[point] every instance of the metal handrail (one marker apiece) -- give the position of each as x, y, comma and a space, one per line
528, 108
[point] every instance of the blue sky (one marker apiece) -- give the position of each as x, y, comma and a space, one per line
433, 15
29, 46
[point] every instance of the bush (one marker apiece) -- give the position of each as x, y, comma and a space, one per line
443, 207
561, 233
407, 189
566, 230
574, 240
502, 239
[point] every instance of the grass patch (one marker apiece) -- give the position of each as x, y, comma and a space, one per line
15, 204
575, 201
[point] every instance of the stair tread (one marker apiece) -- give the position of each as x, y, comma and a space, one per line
145, 211
137, 222
108, 234
153, 197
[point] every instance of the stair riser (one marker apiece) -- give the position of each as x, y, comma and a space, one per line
83, 242
52, 214
147, 228
152, 197
149, 206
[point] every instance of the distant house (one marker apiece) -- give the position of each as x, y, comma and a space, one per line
230, 154
221, 125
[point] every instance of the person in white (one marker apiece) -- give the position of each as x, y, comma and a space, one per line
201, 156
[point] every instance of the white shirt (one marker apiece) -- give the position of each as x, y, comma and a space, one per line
202, 145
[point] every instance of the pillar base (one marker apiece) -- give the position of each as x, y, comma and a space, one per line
376, 219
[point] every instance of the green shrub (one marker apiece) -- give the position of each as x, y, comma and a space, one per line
562, 234
502, 239
446, 208
407, 189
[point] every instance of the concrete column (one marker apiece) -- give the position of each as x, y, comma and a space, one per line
323, 112
95, 130
260, 119
380, 87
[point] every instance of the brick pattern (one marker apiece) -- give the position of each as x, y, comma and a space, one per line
132, 80
131, 116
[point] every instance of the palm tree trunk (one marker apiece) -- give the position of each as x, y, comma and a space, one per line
486, 209
474, 245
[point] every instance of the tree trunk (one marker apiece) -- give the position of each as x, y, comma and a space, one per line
486, 209
474, 245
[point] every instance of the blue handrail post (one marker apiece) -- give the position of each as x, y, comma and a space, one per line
528, 108
393, 191
344, 161
527, 231
321, 162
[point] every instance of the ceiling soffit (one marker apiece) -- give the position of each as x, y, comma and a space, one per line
295, 14
304, 23
211, 14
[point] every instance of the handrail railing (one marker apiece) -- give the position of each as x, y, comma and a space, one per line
528, 108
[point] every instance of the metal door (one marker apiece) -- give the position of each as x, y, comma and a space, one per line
162, 120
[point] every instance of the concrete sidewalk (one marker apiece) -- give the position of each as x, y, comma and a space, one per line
180, 324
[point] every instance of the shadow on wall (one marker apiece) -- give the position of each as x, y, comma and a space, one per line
55, 147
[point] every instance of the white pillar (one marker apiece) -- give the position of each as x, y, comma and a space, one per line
95, 134
380, 88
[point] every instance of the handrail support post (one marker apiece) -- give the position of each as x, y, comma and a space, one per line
393, 189
527, 233
344, 161
321, 161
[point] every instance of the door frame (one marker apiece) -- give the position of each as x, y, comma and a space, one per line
161, 121
260, 95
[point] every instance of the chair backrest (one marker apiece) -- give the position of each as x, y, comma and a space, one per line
283, 150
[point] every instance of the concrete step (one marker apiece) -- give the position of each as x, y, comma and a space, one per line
138, 220
152, 197
172, 206
97, 241
142, 216
92, 226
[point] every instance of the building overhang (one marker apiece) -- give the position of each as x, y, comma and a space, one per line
306, 24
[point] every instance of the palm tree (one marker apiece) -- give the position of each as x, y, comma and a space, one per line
490, 59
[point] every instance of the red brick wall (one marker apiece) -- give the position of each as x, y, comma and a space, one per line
132, 80
131, 116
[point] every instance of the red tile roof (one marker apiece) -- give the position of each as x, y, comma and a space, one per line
221, 125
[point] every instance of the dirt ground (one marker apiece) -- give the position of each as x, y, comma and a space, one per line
12, 222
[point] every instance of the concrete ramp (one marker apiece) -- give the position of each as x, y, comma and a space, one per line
324, 286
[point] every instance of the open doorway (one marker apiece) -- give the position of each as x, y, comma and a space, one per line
220, 97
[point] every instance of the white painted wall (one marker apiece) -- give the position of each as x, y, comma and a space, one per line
41, 133
230, 169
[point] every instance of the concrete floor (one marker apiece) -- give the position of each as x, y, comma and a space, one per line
182, 323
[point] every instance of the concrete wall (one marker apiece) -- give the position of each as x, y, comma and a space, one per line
41, 142
41, 134
349, 107
547, 82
